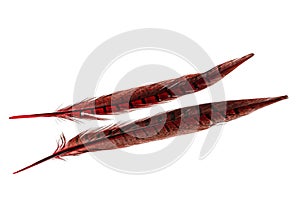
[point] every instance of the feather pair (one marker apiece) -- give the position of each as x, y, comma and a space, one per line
160, 126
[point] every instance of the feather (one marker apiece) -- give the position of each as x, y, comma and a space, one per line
191, 119
143, 96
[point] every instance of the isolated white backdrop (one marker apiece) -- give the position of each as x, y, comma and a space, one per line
43, 45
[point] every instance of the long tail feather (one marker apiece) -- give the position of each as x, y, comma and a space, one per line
118, 137
144, 96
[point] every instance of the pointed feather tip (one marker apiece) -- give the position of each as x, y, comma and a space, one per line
248, 56
256, 104
229, 66
276, 99
268, 101
282, 97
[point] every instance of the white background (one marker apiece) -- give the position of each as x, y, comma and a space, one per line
43, 45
